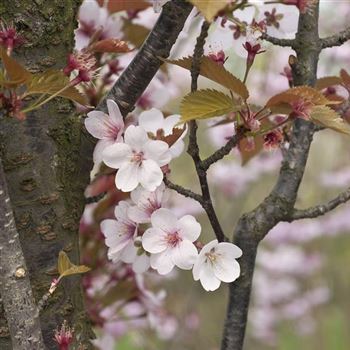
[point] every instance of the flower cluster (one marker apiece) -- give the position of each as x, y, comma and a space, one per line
143, 233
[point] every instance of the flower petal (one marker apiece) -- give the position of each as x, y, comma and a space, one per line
157, 151
184, 255
115, 115
165, 220
141, 263
153, 240
162, 262
151, 120
138, 215
116, 155
189, 227
197, 266
169, 123
229, 250
96, 124
136, 137
101, 145
207, 278
129, 253
126, 179
226, 270
150, 175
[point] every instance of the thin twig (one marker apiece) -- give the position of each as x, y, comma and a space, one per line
278, 41
336, 39
221, 152
321, 209
193, 149
184, 191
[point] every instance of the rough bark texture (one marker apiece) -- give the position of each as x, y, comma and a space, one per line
21, 312
40, 157
278, 206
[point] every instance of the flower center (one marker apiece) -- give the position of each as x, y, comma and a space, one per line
173, 239
137, 157
211, 256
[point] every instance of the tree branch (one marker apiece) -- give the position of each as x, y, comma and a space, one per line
337, 39
321, 209
278, 205
193, 149
15, 289
277, 41
221, 152
184, 191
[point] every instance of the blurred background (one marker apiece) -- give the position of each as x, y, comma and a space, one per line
302, 280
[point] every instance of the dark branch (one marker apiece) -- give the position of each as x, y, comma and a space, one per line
193, 149
15, 289
221, 152
184, 191
277, 41
278, 206
322, 209
337, 39
136, 77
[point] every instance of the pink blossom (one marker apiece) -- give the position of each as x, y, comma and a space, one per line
108, 128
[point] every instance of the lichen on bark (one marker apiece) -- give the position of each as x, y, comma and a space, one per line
40, 157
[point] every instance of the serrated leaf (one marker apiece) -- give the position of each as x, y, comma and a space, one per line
215, 72
203, 104
15, 72
303, 93
209, 8
52, 81
327, 117
326, 82
67, 268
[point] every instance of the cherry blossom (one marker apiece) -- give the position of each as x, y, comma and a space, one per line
108, 128
169, 240
217, 262
93, 18
153, 121
138, 160
119, 233
146, 203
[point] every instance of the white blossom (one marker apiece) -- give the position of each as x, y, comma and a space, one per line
169, 241
108, 128
216, 262
153, 121
138, 160
146, 203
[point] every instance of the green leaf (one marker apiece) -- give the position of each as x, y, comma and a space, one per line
209, 8
203, 104
66, 268
15, 72
215, 72
52, 81
327, 117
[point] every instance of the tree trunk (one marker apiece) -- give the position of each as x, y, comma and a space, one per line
40, 157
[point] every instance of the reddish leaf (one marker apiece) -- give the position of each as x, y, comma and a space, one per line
125, 5
110, 45
249, 147
215, 72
